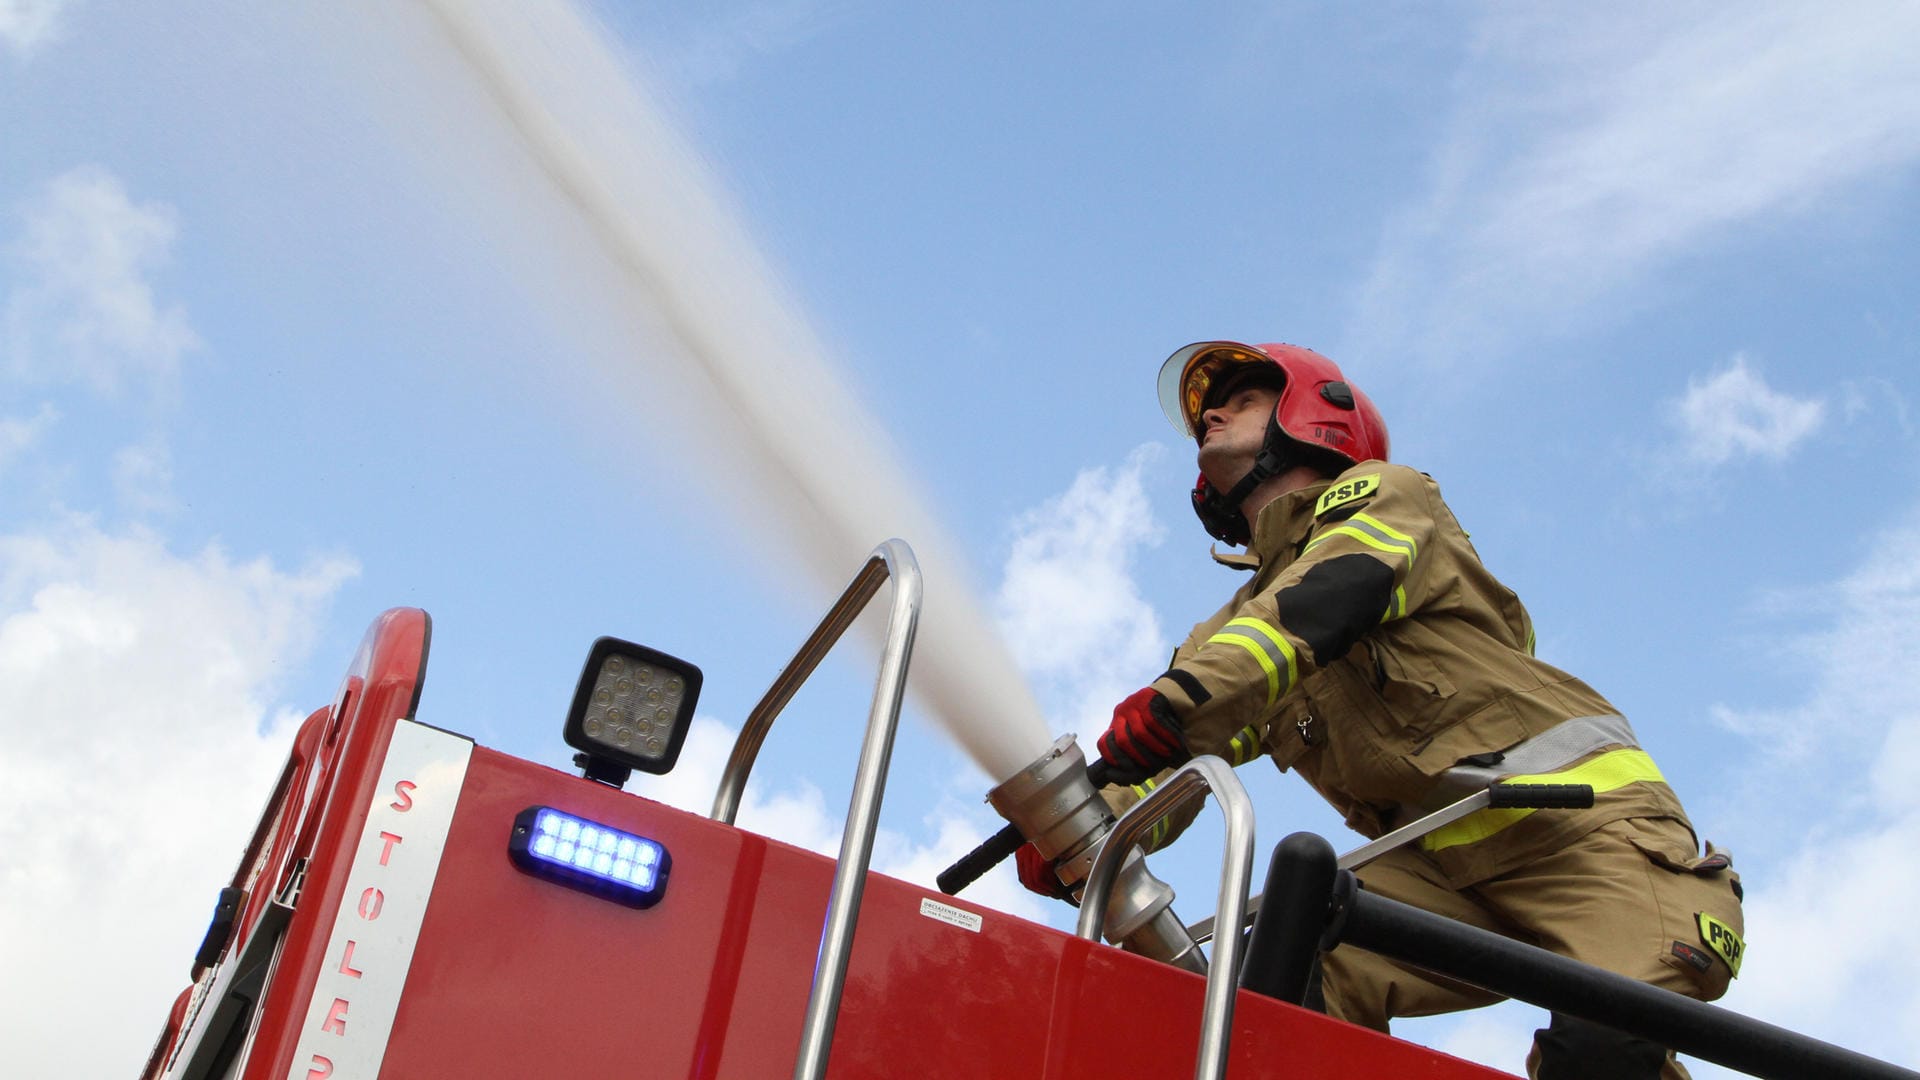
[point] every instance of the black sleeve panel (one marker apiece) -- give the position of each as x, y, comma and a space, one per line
1335, 603
1190, 684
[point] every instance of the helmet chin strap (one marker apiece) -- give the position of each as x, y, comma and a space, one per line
1274, 458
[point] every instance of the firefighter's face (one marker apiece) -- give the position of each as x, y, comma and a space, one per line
1232, 432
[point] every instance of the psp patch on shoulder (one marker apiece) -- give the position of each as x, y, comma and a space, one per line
1722, 940
1352, 489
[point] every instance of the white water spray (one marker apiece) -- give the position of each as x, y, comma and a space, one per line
739, 367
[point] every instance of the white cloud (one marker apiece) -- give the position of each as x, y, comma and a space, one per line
143, 476
1859, 398
1733, 413
141, 737
1068, 604
796, 814
27, 24
1590, 145
18, 435
1836, 789
86, 311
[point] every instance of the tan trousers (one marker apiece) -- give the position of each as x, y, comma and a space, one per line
1619, 898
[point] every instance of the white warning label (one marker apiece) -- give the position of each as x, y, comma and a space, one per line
953, 916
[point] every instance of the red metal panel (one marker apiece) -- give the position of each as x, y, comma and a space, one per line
1125, 1015
515, 975
381, 688
1022, 1000
518, 976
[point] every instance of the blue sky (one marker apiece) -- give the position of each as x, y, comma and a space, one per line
307, 312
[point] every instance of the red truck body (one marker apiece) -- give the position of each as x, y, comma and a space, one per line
384, 932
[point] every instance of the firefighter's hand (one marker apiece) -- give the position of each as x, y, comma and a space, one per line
1036, 873
1143, 738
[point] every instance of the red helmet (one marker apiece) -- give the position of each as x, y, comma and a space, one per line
1319, 414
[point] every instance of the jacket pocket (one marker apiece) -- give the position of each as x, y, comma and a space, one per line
1404, 670
1492, 729
1700, 905
1412, 696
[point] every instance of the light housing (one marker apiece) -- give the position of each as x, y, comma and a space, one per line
586, 855
631, 710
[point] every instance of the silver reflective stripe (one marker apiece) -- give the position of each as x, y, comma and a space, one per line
1369, 531
1559, 746
1269, 647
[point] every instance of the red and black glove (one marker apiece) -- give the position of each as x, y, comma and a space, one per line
1143, 738
1036, 873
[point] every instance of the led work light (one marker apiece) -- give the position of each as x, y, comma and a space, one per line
631, 710
589, 856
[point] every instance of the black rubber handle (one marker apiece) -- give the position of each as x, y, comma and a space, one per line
994, 849
980, 860
1542, 796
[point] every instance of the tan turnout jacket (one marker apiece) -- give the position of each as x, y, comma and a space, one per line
1372, 653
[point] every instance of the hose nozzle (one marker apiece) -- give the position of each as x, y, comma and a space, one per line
1054, 803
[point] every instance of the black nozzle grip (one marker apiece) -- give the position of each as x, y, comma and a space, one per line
980, 860
994, 849
1542, 796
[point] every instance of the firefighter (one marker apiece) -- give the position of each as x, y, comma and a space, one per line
1372, 653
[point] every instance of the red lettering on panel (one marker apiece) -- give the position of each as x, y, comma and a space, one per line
386, 850
370, 902
322, 1068
404, 789
346, 961
336, 1018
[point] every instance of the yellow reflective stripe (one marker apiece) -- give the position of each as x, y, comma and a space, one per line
1396, 607
1608, 772
1372, 532
1159, 830
1390, 531
1269, 648
1348, 530
1364, 537
1259, 654
1245, 746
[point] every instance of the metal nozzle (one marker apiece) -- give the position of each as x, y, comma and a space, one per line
1055, 805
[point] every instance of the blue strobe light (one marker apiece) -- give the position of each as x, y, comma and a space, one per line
589, 856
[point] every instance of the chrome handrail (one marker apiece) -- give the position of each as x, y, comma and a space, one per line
892, 560
1206, 773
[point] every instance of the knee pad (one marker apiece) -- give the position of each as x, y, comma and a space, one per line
1572, 1049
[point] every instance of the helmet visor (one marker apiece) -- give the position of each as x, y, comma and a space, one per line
1192, 379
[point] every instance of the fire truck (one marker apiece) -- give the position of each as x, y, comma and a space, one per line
413, 905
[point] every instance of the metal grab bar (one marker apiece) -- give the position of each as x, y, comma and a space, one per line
1205, 773
1536, 796
892, 560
